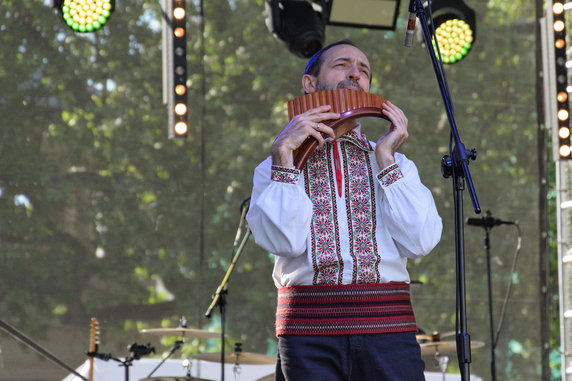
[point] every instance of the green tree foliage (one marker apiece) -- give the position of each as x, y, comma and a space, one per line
99, 207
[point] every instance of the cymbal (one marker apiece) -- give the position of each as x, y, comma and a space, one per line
445, 347
245, 358
181, 332
173, 379
431, 337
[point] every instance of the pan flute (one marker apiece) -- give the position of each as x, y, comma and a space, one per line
350, 104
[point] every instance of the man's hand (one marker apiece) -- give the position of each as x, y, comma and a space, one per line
298, 130
397, 134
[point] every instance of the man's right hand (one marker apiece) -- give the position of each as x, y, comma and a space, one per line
300, 128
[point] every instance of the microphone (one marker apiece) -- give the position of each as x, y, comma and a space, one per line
410, 31
487, 222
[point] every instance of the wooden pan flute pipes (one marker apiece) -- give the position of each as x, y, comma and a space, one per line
350, 104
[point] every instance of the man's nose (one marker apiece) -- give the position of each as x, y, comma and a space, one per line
354, 73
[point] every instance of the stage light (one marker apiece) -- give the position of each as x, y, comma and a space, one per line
179, 12
181, 129
297, 24
179, 32
564, 133
180, 89
561, 72
175, 67
85, 16
455, 29
181, 109
300, 24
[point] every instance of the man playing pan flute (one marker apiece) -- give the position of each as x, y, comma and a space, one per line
342, 229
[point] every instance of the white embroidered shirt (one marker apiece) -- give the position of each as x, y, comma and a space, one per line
383, 216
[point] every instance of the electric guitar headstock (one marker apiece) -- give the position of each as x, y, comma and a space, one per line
93, 344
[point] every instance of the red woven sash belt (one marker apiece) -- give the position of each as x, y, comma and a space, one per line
344, 309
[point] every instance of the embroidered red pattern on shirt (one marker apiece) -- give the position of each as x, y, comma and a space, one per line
361, 208
325, 241
285, 174
390, 175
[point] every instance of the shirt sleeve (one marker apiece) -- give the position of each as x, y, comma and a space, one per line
408, 209
280, 210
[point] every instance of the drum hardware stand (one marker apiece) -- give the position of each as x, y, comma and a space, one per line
442, 363
178, 344
236, 369
187, 364
456, 166
219, 297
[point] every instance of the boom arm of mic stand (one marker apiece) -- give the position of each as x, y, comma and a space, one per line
224, 282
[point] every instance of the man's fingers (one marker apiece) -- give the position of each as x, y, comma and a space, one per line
326, 130
316, 135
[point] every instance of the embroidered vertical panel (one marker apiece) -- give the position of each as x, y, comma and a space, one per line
361, 214
325, 241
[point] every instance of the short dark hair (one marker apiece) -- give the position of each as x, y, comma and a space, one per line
315, 62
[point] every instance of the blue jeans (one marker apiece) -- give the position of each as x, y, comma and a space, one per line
371, 357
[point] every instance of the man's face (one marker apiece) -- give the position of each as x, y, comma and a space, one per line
344, 67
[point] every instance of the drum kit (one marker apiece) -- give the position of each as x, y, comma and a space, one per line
431, 345
238, 357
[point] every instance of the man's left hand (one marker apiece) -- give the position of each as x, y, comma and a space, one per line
396, 135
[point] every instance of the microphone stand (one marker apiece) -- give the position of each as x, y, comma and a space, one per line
219, 297
456, 166
488, 227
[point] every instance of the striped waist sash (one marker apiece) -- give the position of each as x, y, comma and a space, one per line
344, 309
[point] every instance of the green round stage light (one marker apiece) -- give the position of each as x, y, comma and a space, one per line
455, 38
85, 16
455, 29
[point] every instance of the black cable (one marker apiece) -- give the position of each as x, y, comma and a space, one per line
510, 283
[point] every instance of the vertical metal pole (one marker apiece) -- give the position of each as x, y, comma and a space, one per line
167, 33
542, 105
563, 213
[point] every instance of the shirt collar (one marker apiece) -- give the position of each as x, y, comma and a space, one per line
357, 137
